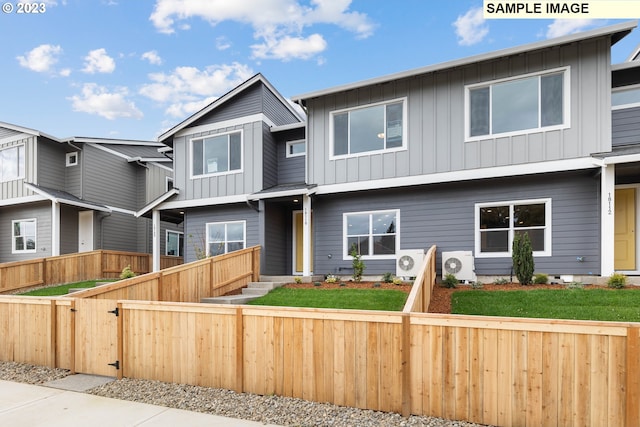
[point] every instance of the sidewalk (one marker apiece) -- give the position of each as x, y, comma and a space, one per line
25, 405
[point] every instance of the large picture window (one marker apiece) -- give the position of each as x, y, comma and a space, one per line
23, 235
373, 234
516, 105
216, 154
175, 243
225, 237
498, 223
12, 163
373, 128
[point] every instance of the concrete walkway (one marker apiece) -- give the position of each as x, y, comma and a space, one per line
25, 405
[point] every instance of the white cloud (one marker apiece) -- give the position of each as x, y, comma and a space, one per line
97, 61
187, 89
222, 43
153, 57
471, 27
65, 72
278, 24
562, 27
40, 59
110, 105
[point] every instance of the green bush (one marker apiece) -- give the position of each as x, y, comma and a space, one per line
127, 273
522, 256
449, 281
541, 279
387, 277
357, 263
617, 281
501, 281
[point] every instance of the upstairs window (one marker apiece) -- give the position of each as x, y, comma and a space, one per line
12, 163
23, 236
217, 154
516, 105
373, 128
72, 159
296, 148
627, 97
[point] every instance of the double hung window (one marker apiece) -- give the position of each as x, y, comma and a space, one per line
373, 234
379, 127
23, 235
498, 223
225, 237
12, 163
530, 103
216, 154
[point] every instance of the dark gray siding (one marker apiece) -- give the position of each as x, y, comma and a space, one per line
73, 176
276, 250
626, 126
68, 229
117, 232
290, 169
444, 215
42, 213
269, 159
275, 111
51, 164
247, 103
109, 180
197, 218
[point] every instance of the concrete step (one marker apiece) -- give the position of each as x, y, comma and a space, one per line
264, 285
255, 291
230, 299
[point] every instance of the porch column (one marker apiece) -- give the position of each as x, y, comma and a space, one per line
155, 226
55, 228
607, 215
306, 235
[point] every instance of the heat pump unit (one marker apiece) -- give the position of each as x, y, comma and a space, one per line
460, 264
408, 262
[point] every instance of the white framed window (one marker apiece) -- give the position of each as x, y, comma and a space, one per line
12, 163
625, 97
72, 159
168, 184
296, 148
372, 128
497, 223
174, 243
23, 235
225, 237
518, 105
216, 154
375, 234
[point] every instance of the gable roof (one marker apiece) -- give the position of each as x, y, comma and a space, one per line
65, 198
27, 131
617, 32
226, 97
130, 150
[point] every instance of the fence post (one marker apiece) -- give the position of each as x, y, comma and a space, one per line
255, 264
633, 380
239, 350
405, 360
72, 338
53, 338
120, 340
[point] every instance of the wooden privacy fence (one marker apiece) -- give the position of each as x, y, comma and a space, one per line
210, 277
499, 371
100, 264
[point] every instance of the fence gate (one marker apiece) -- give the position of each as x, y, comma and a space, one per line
96, 337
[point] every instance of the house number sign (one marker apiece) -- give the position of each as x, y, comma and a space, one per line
609, 212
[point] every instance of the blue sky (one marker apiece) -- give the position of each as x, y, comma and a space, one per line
132, 69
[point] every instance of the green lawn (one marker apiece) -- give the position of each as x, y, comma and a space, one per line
63, 289
584, 304
358, 299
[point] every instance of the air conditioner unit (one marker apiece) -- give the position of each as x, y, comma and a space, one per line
460, 264
408, 262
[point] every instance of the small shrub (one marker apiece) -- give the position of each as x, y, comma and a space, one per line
575, 285
357, 263
331, 278
387, 277
397, 281
501, 281
317, 283
541, 279
476, 285
297, 279
522, 258
449, 281
127, 273
617, 281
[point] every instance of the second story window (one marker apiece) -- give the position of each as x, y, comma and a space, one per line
627, 97
517, 105
216, 154
12, 163
296, 148
373, 128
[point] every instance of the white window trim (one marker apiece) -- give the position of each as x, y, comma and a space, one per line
235, 171
244, 232
166, 242
624, 89
566, 101
21, 174
372, 152
13, 237
297, 141
168, 179
69, 156
547, 232
345, 239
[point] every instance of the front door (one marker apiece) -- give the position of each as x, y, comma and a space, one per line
625, 229
297, 242
85, 231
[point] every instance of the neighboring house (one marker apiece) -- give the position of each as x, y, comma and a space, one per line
61, 196
463, 155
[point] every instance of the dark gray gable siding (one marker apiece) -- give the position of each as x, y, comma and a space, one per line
247, 103
117, 231
42, 213
290, 169
274, 110
625, 126
51, 164
197, 218
269, 159
73, 176
444, 215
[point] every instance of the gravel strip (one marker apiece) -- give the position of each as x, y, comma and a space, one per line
278, 410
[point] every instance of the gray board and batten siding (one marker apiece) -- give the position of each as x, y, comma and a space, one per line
436, 118
15, 188
443, 215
